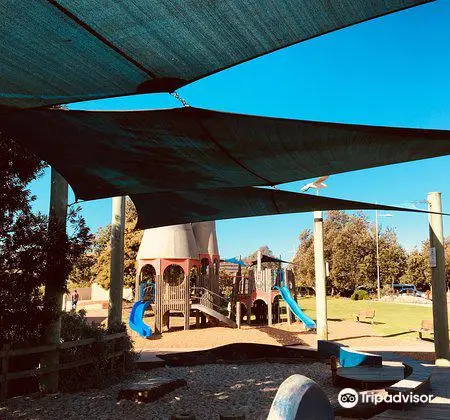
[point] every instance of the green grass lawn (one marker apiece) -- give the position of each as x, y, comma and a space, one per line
390, 319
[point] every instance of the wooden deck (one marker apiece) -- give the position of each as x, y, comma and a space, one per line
438, 409
389, 373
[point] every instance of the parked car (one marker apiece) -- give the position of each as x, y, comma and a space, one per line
410, 289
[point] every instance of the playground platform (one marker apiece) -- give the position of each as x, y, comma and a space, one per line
368, 377
437, 409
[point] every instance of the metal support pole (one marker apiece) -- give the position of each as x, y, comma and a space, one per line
378, 256
116, 265
438, 280
319, 265
55, 283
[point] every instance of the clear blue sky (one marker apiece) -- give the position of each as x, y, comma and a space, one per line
391, 71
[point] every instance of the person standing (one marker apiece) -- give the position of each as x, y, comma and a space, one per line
75, 297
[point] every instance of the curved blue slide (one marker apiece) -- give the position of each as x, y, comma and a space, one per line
293, 306
136, 315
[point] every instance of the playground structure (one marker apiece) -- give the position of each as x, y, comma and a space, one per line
173, 290
267, 294
178, 273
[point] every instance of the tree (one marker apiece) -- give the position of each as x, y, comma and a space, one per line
447, 260
303, 262
102, 251
24, 243
417, 270
349, 248
393, 258
265, 250
82, 271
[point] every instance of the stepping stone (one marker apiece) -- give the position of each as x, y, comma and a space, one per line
151, 390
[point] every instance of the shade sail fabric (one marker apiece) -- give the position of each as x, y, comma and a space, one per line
269, 259
106, 154
235, 260
170, 208
59, 51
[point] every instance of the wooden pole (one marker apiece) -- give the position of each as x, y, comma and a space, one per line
116, 265
438, 280
55, 283
238, 314
269, 309
258, 261
137, 285
319, 265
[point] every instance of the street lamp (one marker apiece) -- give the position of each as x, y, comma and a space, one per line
378, 253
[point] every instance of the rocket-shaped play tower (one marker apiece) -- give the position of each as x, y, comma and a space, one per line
206, 238
165, 246
180, 264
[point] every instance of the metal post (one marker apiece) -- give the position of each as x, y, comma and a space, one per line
116, 264
378, 256
438, 280
319, 265
55, 283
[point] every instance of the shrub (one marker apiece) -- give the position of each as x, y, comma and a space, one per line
74, 326
101, 371
359, 295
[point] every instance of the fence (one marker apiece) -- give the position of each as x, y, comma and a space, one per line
7, 353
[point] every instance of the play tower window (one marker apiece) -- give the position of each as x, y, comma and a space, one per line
173, 275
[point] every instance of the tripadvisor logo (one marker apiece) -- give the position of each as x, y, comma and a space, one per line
348, 398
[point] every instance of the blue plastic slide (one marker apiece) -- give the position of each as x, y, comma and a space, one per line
293, 306
136, 316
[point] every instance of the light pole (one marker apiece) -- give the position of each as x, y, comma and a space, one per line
378, 250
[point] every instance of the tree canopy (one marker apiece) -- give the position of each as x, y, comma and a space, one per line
265, 250
24, 245
94, 266
350, 250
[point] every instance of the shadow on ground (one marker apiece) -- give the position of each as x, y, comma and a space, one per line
285, 338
